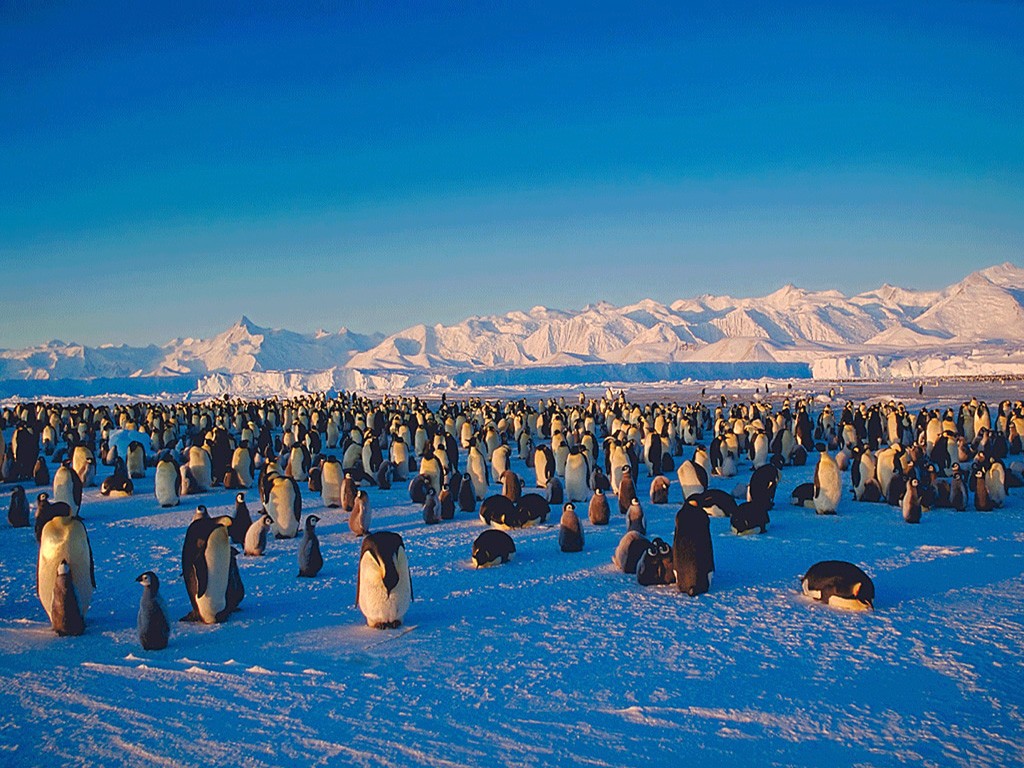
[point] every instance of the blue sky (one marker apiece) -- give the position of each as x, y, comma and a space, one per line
164, 172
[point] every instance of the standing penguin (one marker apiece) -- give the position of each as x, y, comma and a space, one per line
692, 552
331, 478
570, 531
348, 492
256, 536
577, 474
67, 487
359, 517
17, 513
627, 490
63, 539
310, 559
135, 462
206, 560
431, 514
284, 505
911, 502
154, 628
41, 473
635, 518
241, 521
167, 482
597, 511
66, 616
828, 484
383, 584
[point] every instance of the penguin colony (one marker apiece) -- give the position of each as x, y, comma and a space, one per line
456, 458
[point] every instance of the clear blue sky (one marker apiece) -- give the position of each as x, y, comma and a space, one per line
163, 172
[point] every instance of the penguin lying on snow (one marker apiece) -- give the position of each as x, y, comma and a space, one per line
492, 547
839, 584
629, 551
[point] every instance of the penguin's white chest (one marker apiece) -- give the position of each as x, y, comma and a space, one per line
376, 604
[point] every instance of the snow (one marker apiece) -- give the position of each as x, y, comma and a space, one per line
554, 658
887, 331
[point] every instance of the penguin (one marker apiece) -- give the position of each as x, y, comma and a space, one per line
627, 490
284, 505
532, 509
555, 491
418, 489
431, 514
635, 518
492, 547
828, 484
982, 502
803, 495
17, 512
241, 466
692, 552
63, 539
570, 531
465, 493
750, 516
67, 487
167, 482
840, 585
359, 517
298, 463
715, 502
597, 511
331, 476
154, 628
659, 490
206, 560
256, 536
66, 617
135, 461
576, 475
118, 482
476, 468
511, 486
958, 492
499, 511
763, 484
599, 481
41, 473
693, 478
310, 559
241, 521
656, 565
630, 549
200, 468
383, 584
446, 504
46, 511
543, 465
911, 503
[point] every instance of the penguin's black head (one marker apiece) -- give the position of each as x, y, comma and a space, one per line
148, 579
311, 521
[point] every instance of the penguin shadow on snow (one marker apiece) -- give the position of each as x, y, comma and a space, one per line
928, 580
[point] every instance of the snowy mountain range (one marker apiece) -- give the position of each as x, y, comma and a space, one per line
972, 326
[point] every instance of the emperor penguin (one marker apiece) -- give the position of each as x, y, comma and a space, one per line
206, 567
135, 461
626, 490
383, 584
298, 463
511, 486
598, 511
659, 490
64, 540
911, 502
656, 565
167, 482
83, 462
692, 551
501, 461
284, 505
629, 551
476, 466
693, 478
577, 475
241, 465
154, 628
331, 477
348, 492
828, 484
200, 467
18, 512
310, 558
359, 517
67, 487
543, 465
430, 467
41, 472
399, 453
241, 521
570, 530
492, 547
256, 536
118, 482
635, 518
840, 585
66, 616
466, 494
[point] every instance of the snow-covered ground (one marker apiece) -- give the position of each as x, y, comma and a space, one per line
552, 659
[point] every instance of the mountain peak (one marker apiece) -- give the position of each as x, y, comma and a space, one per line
1007, 275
